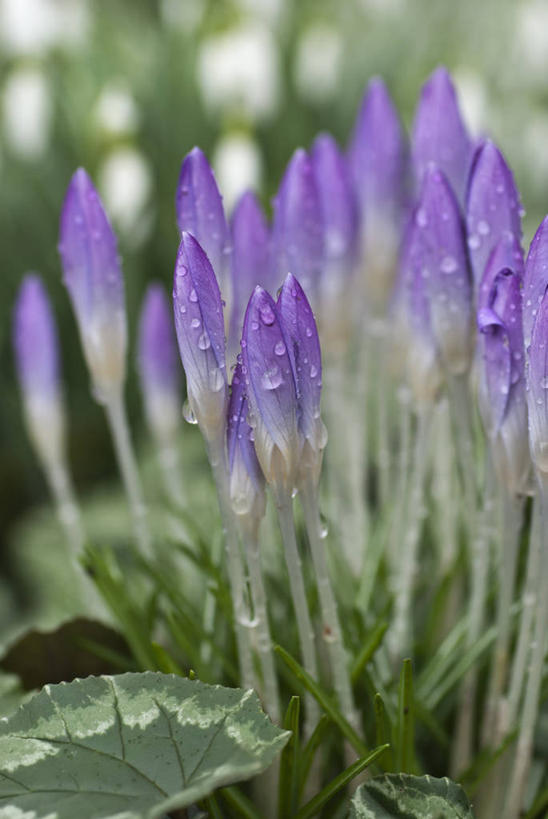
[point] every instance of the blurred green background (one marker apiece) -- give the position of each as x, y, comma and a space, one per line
127, 87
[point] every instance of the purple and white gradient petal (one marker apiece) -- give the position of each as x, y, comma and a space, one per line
493, 208
537, 387
92, 274
507, 253
35, 341
535, 279
199, 326
271, 391
298, 235
439, 134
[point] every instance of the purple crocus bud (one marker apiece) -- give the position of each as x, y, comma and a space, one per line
502, 383
493, 209
271, 392
158, 365
378, 159
297, 228
37, 360
507, 253
305, 355
92, 274
250, 257
439, 254
246, 479
339, 210
199, 207
535, 280
537, 387
199, 325
439, 134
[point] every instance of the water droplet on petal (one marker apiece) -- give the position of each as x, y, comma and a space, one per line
216, 379
271, 379
193, 296
254, 325
279, 348
421, 218
267, 314
448, 264
195, 323
313, 371
308, 332
483, 228
204, 342
474, 242
188, 414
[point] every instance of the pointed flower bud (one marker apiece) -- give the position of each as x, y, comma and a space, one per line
493, 209
439, 134
297, 228
439, 254
250, 257
271, 391
158, 365
93, 277
246, 479
507, 253
305, 355
502, 384
199, 207
37, 360
537, 387
535, 280
199, 325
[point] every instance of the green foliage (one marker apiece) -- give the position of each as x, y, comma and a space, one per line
143, 744
400, 796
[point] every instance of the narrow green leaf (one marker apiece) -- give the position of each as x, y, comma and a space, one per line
382, 731
473, 776
142, 744
310, 749
239, 803
536, 811
406, 720
213, 808
368, 650
322, 798
400, 796
324, 700
288, 791
164, 661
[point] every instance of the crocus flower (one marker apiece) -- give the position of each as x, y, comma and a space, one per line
305, 355
502, 383
438, 251
297, 228
493, 209
535, 280
439, 134
199, 325
271, 391
250, 257
158, 365
199, 208
507, 253
37, 360
378, 159
246, 479
93, 277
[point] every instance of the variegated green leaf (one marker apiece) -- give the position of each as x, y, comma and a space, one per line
401, 796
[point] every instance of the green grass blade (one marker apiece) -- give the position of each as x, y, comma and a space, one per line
288, 791
536, 811
324, 701
317, 803
240, 805
368, 650
406, 720
309, 750
383, 731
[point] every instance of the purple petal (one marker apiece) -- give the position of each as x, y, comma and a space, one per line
199, 325
493, 209
438, 248
305, 354
239, 433
199, 207
297, 228
439, 134
270, 388
507, 253
338, 204
35, 341
537, 387
89, 256
157, 358
250, 256
378, 158
535, 279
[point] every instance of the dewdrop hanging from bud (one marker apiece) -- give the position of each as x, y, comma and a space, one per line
94, 280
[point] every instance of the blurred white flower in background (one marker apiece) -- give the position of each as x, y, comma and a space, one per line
238, 70
35, 26
531, 29
125, 182
26, 112
318, 62
116, 110
473, 100
237, 163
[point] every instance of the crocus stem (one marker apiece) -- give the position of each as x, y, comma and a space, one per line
401, 636
298, 593
507, 559
242, 621
117, 418
271, 694
524, 746
402, 486
67, 507
382, 438
168, 458
331, 631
